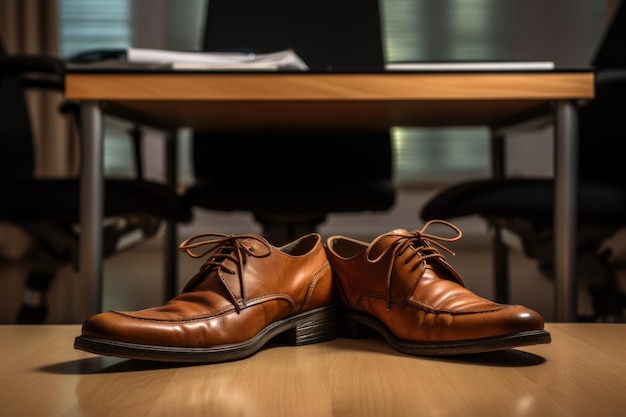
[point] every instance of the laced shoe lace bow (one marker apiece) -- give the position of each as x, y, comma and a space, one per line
218, 249
423, 246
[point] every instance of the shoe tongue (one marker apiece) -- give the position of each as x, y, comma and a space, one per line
252, 245
383, 242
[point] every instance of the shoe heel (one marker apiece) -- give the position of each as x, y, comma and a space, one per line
319, 326
352, 329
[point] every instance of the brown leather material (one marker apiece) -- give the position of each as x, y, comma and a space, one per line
244, 286
403, 281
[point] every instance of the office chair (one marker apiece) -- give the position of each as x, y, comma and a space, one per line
48, 208
524, 206
292, 180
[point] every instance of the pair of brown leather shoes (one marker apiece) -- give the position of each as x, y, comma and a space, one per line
249, 292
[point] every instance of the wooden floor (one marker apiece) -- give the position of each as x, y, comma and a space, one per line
581, 373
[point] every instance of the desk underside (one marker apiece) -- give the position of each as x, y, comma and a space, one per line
320, 116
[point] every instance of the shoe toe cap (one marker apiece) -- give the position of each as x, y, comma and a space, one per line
510, 319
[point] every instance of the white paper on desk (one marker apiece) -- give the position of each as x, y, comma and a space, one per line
235, 66
281, 60
471, 66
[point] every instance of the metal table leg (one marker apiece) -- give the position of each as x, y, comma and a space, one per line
565, 214
91, 207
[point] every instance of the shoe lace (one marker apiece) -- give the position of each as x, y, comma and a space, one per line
221, 248
422, 245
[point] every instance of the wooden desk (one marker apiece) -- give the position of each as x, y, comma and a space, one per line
246, 101
581, 373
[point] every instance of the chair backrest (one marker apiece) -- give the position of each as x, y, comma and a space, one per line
296, 159
16, 136
610, 53
329, 35
602, 125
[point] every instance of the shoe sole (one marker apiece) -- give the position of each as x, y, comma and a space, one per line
357, 326
313, 326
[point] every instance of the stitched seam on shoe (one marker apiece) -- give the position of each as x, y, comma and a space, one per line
236, 298
435, 310
219, 313
313, 283
270, 297
368, 294
428, 308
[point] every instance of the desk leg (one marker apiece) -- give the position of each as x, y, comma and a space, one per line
170, 246
499, 248
91, 207
565, 214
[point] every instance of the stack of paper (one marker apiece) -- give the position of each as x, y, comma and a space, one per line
134, 58
282, 60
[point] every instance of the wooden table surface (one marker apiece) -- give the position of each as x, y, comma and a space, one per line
581, 373
278, 101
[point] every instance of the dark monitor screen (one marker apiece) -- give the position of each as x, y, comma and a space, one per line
329, 35
611, 52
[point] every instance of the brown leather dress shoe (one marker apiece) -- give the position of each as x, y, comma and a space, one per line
402, 287
246, 293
